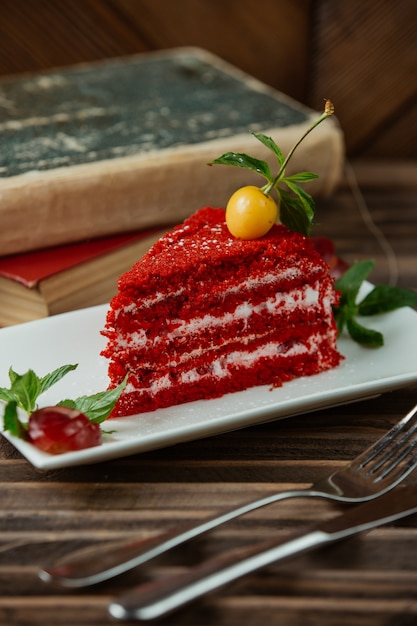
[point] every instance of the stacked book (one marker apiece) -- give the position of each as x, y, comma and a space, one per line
99, 159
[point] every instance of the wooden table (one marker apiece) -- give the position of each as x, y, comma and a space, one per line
369, 580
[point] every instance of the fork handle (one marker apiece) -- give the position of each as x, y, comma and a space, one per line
91, 567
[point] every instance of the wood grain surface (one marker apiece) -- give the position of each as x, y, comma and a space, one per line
370, 580
364, 55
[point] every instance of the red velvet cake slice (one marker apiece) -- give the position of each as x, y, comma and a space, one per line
203, 314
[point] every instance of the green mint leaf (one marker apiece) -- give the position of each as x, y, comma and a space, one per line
7, 395
293, 213
305, 198
26, 389
50, 379
12, 375
302, 177
385, 298
271, 145
11, 421
96, 407
382, 299
351, 281
341, 315
243, 160
364, 336
345, 313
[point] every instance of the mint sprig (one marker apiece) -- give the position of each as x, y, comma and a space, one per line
296, 205
26, 388
381, 299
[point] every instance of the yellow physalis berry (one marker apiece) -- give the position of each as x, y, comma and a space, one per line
250, 213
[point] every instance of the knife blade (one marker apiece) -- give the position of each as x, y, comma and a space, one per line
155, 599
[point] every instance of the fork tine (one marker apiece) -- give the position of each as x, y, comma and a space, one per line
395, 449
404, 462
398, 445
399, 450
387, 441
384, 442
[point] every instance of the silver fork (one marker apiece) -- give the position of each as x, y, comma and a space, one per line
374, 472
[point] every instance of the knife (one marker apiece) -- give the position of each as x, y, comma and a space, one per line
155, 599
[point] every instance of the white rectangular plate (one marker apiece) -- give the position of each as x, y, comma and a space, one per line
75, 338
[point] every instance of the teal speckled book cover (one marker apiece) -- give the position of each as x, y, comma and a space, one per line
101, 148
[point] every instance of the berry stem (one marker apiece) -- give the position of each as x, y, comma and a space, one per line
328, 111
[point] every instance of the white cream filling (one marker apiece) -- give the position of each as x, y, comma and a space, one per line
196, 353
298, 299
159, 296
219, 367
293, 300
270, 278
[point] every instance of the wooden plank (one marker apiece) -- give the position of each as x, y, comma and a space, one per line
233, 29
44, 35
108, 28
373, 216
397, 138
363, 58
397, 175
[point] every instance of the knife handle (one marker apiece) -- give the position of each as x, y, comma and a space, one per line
152, 600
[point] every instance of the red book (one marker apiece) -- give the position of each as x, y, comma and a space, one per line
45, 282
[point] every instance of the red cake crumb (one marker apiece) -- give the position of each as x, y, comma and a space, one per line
203, 314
